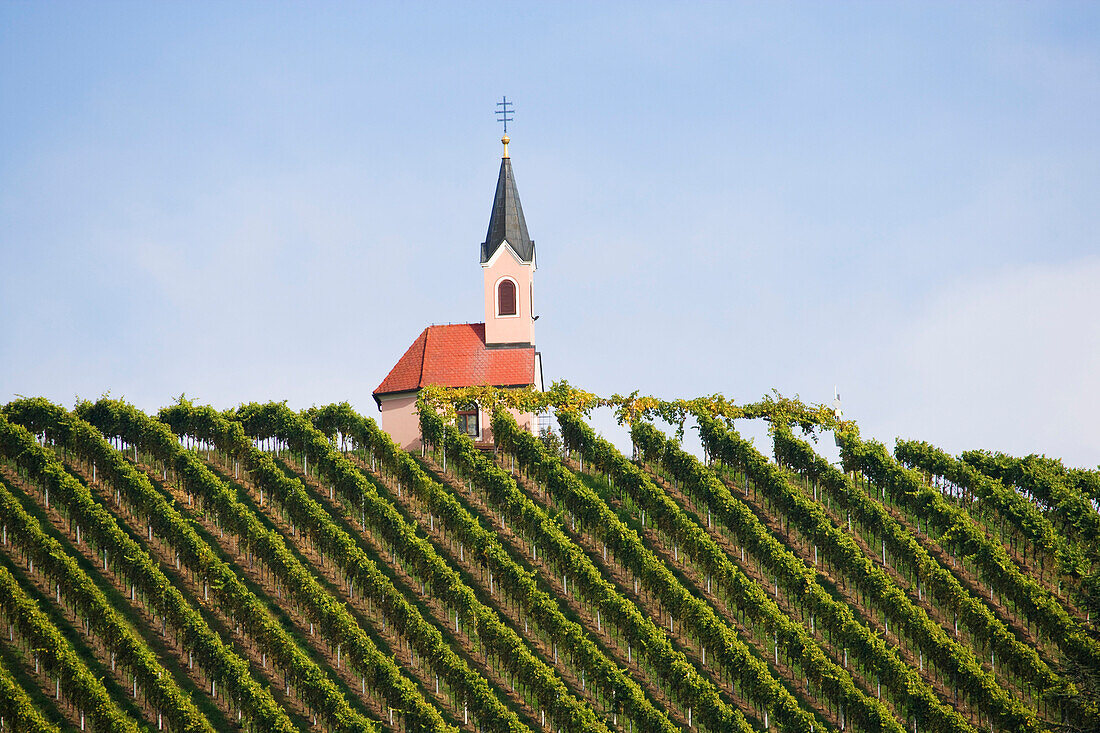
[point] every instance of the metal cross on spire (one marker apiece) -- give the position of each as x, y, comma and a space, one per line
504, 112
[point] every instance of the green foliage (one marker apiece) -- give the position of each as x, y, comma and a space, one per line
276, 420
51, 648
564, 397
103, 620
336, 624
59, 659
1067, 495
618, 688
1011, 506
800, 582
667, 664
958, 531
972, 613
691, 687
16, 709
162, 516
842, 551
552, 442
135, 563
499, 638
1044, 504
741, 592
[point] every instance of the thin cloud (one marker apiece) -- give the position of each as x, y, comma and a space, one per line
1008, 361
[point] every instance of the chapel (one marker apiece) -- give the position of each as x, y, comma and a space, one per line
499, 351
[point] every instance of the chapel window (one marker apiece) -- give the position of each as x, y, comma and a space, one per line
506, 298
467, 423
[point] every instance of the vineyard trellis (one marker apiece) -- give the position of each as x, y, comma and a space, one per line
576, 591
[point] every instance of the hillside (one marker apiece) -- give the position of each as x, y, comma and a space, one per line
266, 570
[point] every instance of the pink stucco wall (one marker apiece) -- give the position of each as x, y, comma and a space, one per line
517, 329
526, 420
400, 420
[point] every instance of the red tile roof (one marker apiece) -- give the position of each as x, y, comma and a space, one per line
456, 356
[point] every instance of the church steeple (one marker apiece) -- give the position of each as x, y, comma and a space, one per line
506, 223
508, 269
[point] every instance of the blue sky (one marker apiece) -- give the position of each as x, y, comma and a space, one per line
257, 201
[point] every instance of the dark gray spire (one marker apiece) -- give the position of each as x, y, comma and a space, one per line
506, 222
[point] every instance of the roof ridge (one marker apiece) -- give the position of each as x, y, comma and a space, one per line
423, 355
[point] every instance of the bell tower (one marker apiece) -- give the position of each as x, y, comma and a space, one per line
508, 266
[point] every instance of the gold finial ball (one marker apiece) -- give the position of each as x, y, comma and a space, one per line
505, 140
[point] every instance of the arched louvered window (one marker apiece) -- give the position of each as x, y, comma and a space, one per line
506, 298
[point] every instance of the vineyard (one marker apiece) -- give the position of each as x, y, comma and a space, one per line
262, 569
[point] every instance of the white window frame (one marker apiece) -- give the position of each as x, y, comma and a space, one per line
496, 296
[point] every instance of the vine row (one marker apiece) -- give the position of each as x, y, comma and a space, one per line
60, 660
911, 693
80, 438
959, 531
973, 614
300, 435
843, 552
18, 711
667, 664
623, 694
741, 591
1066, 492
377, 669
221, 664
307, 515
1014, 508
104, 621
673, 666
